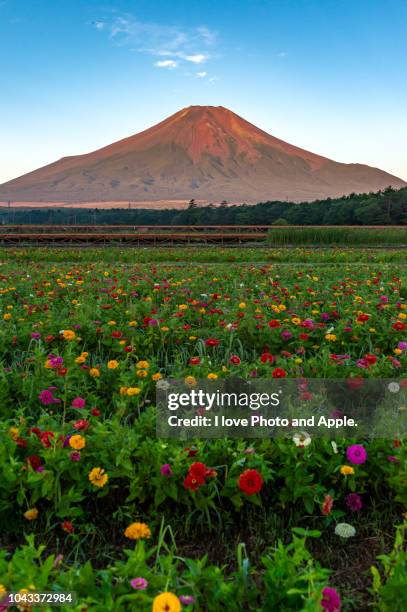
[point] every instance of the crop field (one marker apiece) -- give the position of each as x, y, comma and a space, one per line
93, 502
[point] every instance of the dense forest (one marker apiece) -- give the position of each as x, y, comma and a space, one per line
388, 207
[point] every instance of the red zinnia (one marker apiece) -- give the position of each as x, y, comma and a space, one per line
267, 358
194, 361
327, 505
235, 360
81, 424
371, 359
68, 527
250, 482
191, 483
34, 461
198, 471
211, 342
279, 373
274, 323
45, 438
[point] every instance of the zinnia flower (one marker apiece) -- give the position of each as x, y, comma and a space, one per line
267, 358
356, 454
68, 334
166, 602
68, 527
98, 477
250, 482
166, 470
211, 342
78, 402
302, 439
187, 600
137, 531
327, 505
196, 476
354, 502
46, 397
34, 461
77, 442
331, 601
346, 470
278, 373
344, 530
31, 514
140, 584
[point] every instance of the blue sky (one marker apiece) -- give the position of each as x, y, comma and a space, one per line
326, 75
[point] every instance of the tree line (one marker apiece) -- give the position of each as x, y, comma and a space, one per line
386, 207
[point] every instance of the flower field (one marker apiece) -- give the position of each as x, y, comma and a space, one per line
92, 502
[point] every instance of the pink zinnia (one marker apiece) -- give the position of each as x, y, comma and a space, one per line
356, 454
78, 402
46, 397
331, 601
140, 584
187, 600
354, 502
166, 470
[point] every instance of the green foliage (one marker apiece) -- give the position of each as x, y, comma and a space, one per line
338, 236
288, 579
387, 207
390, 586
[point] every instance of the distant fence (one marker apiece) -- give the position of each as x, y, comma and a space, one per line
139, 235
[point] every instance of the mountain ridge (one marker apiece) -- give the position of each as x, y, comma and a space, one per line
201, 152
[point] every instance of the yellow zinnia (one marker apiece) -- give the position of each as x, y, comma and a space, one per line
166, 602
68, 334
31, 514
112, 364
77, 442
98, 477
142, 365
347, 469
137, 531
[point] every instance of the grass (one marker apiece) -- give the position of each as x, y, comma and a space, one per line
205, 255
343, 236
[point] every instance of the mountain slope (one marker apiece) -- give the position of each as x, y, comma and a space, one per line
201, 152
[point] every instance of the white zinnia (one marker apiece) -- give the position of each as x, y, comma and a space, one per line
344, 530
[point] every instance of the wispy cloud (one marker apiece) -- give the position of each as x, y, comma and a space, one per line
177, 45
166, 64
198, 58
201, 75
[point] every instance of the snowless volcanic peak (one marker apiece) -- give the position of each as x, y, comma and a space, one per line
201, 152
